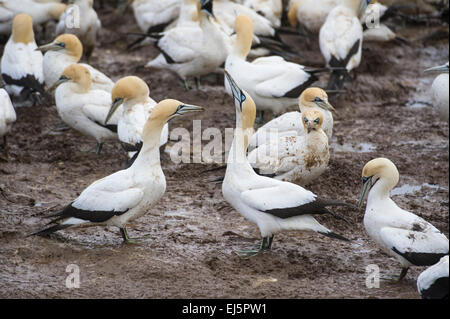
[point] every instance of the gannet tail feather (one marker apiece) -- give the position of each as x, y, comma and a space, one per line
334, 235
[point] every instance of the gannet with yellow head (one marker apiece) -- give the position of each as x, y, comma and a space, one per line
271, 204
65, 50
440, 90
21, 65
127, 194
7, 118
409, 238
84, 108
134, 94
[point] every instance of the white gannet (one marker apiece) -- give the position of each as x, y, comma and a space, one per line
134, 94
21, 65
401, 234
153, 16
7, 118
84, 108
64, 51
273, 83
297, 159
440, 90
433, 282
192, 51
88, 25
340, 40
271, 204
272, 10
291, 123
127, 194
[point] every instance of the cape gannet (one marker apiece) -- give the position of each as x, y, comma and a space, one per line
271, 204
84, 108
297, 159
273, 83
127, 194
340, 40
401, 234
64, 51
88, 27
153, 16
291, 123
7, 118
134, 94
433, 282
21, 65
440, 90
192, 51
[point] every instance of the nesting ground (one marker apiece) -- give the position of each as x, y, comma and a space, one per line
188, 239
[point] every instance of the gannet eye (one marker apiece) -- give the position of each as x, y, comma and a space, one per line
243, 97
317, 99
317, 121
117, 99
365, 179
179, 108
62, 45
306, 120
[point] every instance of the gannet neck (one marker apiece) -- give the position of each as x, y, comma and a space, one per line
292, 14
189, 11
150, 154
379, 192
244, 38
237, 158
22, 29
56, 10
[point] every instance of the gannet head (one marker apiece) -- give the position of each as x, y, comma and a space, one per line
56, 10
244, 30
22, 29
206, 6
312, 120
78, 74
126, 89
314, 96
438, 69
378, 170
68, 43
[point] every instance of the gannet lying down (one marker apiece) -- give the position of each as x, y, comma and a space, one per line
272, 205
440, 90
64, 51
291, 124
7, 118
127, 194
89, 24
134, 94
192, 51
269, 9
21, 64
274, 83
154, 16
407, 237
433, 282
84, 108
298, 159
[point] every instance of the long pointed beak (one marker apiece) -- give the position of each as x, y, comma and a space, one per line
365, 191
326, 106
437, 69
58, 83
188, 108
113, 109
235, 90
49, 47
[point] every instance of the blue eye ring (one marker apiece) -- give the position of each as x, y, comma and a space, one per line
62, 44
317, 99
305, 120
243, 97
317, 121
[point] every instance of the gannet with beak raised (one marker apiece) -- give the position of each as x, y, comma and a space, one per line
65, 50
409, 238
433, 282
7, 118
298, 159
127, 194
84, 108
21, 65
440, 90
134, 94
87, 27
273, 83
271, 204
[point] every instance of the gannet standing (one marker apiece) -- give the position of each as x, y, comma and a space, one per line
134, 94
272, 205
433, 282
273, 83
440, 90
127, 194
410, 239
89, 24
21, 65
84, 108
7, 118
65, 50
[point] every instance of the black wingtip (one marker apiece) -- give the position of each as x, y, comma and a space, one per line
334, 236
50, 230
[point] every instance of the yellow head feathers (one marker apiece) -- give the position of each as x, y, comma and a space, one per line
71, 44
381, 168
22, 29
244, 31
314, 96
79, 75
57, 10
130, 88
312, 120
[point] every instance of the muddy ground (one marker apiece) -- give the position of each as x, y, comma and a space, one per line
188, 239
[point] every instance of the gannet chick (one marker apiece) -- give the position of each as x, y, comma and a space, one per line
89, 24
297, 159
134, 94
84, 108
433, 282
439, 89
271, 204
340, 40
153, 16
64, 51
21, 64
407, 237
192, 51
7, 118
291, 124
127, 194
274, 83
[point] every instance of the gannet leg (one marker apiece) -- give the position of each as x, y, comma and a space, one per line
396, 279
126, 238
99, 147
197, 80
260, 120
265, 244
5, 149
186, 85
269, 243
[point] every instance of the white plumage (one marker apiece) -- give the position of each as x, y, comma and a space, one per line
440, 90
151, 14
7, 116
270, 9
433, 282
